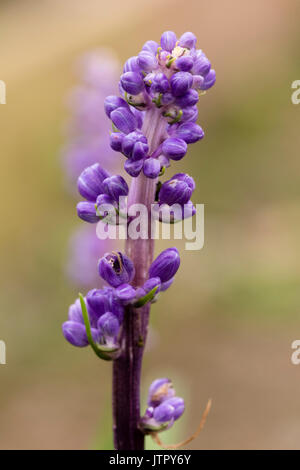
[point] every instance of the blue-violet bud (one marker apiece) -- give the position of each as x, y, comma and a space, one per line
166, 265
90, 182
132, 82
174, 148
116, 269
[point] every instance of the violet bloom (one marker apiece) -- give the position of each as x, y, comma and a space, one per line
167, 77
164, 407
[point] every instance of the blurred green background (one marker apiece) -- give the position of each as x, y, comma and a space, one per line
225, 329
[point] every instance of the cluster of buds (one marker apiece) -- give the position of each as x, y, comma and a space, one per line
105, 307
163, 407
100, 191
170, 77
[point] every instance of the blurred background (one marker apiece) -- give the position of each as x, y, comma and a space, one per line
225, 328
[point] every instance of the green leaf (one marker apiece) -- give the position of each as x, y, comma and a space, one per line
147, 298
98, 350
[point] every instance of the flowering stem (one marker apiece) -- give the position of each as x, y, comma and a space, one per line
127, 368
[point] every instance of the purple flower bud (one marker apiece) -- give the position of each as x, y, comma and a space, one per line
166, 265
160, 390
147, 61
168, 40
167, 98
132, 82
189, 114
87, 212
178, 405
174, 191
186, 178
134, 168
108, 325
188, 40
75, 333
106, 206
201, 64
190, 98
160, 83
189, 210
198, 81
124, 120
163, 413
180, 83
174, 148
116, 141
209, 80
90, 182
113, 102
116, 269
125, 293
100, 301
184, 63
151, 283
151, 167
151, 46
140, 151
75, 312
131, 65
190, 132
115, 186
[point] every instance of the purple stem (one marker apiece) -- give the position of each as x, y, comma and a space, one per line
127, 368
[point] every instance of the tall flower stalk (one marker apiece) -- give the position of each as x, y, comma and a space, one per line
153, 122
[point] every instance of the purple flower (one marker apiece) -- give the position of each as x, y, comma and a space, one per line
188, 40
181, 82
124, 120
209, 80
166, 265
125, 293
116, 269
163, 413
176, 190
168, 40
87, 212
150, 46
190, 98
132, 82
160, 390
133, 168
100, 301
90, 182
147, 60
75, 333
174, 148
115, 186
113, 102
116, 141
190, 132
160, 83
108, 325
151, 167
184, 63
